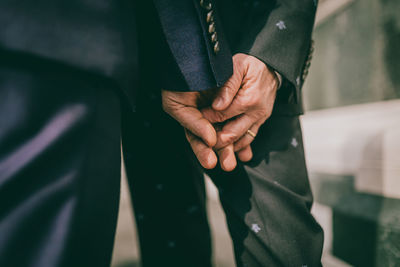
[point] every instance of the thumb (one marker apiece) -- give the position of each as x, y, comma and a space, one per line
228, 91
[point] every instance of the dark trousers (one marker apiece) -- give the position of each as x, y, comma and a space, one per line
59, 167
60, 136
267, 201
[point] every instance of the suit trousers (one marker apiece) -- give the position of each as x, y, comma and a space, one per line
60, 132
59, 166
266, 201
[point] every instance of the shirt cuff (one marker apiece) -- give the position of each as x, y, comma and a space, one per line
279, 77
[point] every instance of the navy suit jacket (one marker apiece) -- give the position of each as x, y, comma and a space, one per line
101, 36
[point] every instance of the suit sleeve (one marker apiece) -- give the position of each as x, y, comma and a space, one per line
279, 34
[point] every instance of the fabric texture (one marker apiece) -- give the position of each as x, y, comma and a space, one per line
101, 36
267, 201
67, 69
59, 167
97, 36
277, 32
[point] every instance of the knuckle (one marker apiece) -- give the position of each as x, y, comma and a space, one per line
232, 138
253, 101
243, 101
248, 101
220, 117
229, 137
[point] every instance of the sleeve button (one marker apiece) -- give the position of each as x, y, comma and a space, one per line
216, 47
214, 37
211, 28
210, 16
206, 5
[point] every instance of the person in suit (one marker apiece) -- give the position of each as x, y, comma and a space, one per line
76, 76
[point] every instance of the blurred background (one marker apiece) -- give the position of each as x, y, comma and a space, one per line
352, 141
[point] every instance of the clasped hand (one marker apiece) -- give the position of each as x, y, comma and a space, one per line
216, 123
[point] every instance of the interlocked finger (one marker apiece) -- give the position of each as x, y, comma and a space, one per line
233, 130
204, 154
246, 154
227, 158
247, 138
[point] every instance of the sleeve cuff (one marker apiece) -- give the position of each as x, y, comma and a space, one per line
279, 78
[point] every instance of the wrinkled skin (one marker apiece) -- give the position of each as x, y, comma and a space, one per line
216, 121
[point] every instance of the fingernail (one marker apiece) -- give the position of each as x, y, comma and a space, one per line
212, 160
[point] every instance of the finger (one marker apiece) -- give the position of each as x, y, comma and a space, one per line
228, 91
192, 119
246, 154
233, 130
205, 155
214, 116
182, 107
227, 158
246, 139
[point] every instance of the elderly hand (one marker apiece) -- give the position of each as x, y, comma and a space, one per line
245, 102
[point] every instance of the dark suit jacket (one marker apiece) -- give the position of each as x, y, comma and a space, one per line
100, 36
